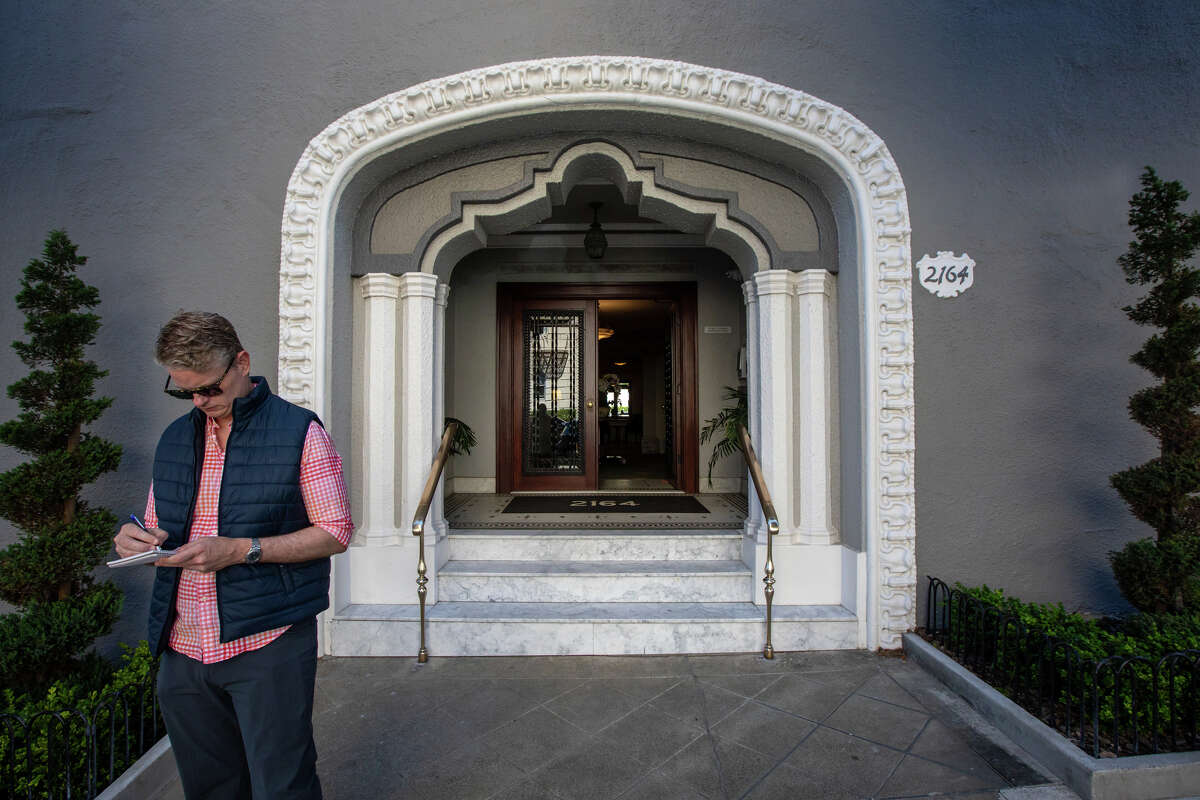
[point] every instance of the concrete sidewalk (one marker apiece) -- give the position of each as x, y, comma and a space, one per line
820, 725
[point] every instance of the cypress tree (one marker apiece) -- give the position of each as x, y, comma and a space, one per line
1163, 574
46, 573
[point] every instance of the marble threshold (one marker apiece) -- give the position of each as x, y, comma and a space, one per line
599, 533
660, 568
589, 492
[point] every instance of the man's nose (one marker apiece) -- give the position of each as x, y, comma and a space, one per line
198, 400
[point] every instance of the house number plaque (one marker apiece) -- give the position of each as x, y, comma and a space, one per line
946, 275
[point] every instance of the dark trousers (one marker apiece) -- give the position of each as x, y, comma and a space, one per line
242, 728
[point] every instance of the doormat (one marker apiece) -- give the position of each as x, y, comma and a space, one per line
605, 504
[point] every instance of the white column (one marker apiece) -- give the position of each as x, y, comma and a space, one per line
382, 566
755, 525
773, 441
754, 533
378, 468
814, 398
437, 519
417, 292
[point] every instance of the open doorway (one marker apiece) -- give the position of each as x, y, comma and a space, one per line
597, 387
636, 382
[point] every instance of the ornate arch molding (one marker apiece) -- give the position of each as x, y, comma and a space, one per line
638, 186
608, 83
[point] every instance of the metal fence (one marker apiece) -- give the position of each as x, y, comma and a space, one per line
76, 754
1114, 706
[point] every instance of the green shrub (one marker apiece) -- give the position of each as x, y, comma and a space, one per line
1159, 576
47, 572
1165, 491
1147, 635
1052, 619
1051, 682
115, 702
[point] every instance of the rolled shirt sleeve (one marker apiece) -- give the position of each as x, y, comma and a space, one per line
322, 485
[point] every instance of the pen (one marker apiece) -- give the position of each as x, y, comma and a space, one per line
138, 522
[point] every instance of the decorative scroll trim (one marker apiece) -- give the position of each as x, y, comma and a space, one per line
604, 83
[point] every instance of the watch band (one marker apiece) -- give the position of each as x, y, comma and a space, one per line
254, 554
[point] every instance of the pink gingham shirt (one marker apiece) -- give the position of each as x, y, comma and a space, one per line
197, 630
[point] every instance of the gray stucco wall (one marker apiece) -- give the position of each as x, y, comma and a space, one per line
162, 137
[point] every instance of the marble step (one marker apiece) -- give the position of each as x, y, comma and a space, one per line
594, 545
489, 629
706, 581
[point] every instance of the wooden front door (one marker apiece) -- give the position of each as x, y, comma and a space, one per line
547, 394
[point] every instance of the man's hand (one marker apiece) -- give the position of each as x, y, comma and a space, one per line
131, 539
207, 554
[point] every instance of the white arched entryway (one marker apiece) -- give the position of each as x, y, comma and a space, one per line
872, 187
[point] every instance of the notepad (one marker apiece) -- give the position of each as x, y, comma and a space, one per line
148, 557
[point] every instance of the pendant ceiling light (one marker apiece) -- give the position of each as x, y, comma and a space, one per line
594, 241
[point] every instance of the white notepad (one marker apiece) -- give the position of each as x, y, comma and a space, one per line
148, 557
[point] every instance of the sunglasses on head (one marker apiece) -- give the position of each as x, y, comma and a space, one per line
212, 390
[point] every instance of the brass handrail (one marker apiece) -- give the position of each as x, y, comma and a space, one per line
418, 525
764, 499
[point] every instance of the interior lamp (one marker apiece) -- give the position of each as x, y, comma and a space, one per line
594, 241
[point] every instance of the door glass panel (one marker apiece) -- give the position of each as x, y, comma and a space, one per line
552, 438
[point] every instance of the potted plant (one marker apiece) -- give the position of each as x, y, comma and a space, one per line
723, 428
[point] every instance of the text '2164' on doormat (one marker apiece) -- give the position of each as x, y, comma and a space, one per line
605, 504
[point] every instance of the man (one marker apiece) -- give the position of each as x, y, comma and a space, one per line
248, 492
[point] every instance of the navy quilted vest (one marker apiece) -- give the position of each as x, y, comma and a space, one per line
260, 496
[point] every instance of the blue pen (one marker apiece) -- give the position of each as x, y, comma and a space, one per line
138, 522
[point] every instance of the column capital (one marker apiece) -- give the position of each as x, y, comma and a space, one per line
749, 295
814, 281
443, 294
379, 284
774, 281
418, 284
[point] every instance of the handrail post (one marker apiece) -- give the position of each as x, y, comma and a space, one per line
422, 589
764, 499
418, 526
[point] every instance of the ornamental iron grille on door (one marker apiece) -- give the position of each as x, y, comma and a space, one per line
553, 394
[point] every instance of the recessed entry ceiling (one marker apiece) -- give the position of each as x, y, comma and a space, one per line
577, 208
622, 225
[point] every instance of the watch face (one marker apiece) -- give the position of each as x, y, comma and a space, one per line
255, 553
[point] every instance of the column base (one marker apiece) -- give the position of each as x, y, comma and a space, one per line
380, 574
803, 534
376, 537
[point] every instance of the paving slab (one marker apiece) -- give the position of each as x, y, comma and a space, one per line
717, 768
868, 718
650, 736
801, 695
803, 725
841, 759
768, 730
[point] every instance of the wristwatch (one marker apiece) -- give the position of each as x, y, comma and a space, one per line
255, 553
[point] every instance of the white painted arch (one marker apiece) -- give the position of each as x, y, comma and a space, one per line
849, 148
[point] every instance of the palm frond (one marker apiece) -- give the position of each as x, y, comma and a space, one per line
726, 423
464, 438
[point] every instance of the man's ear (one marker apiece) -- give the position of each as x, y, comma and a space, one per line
242, 360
